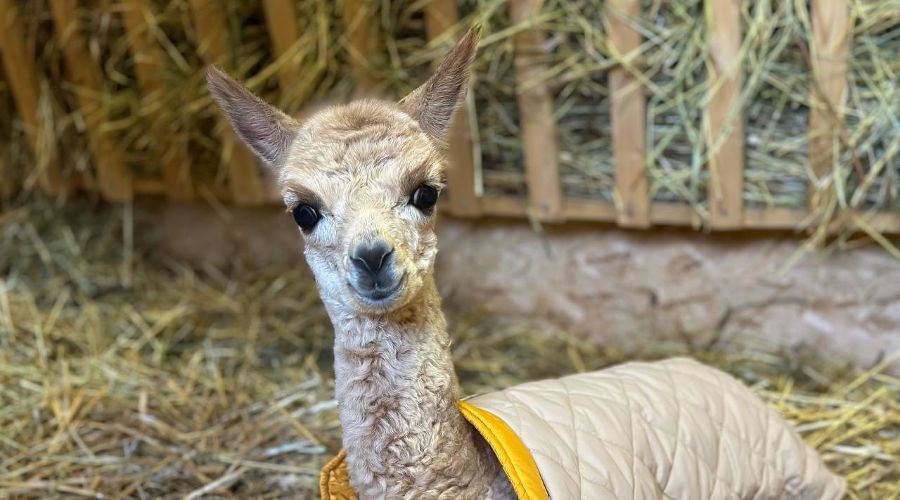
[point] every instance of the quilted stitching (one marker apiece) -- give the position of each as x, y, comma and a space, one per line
661, 430
626, 451
581, 471
761, 454
674, 437
665, 483
630, 452
630, 427
605, 485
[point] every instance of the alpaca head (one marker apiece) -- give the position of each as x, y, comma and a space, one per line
361, 181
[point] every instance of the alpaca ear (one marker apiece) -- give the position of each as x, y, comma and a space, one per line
266, 130
433, 104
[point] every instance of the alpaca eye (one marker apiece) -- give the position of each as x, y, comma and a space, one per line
424, 198
306, 216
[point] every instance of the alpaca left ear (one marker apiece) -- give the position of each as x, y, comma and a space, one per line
266, 130
433, 104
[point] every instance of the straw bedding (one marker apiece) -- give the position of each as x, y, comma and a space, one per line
124, 373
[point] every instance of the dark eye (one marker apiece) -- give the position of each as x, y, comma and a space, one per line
424, 198
306, 216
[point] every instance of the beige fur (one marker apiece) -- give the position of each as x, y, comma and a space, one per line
396, 387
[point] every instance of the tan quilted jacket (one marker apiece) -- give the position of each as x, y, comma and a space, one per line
670, 429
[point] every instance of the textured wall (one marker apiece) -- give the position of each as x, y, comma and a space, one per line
613, 285
637, 287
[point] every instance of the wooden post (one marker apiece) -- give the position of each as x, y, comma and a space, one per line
632, 193
23, 80
246, 187
149, 64
281, 20
535, 102
441, 15
357, 24
831, 34
113, 176
724, 118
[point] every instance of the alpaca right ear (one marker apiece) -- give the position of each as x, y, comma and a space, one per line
433, 104
265, 129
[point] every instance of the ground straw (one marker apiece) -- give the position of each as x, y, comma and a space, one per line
124, 373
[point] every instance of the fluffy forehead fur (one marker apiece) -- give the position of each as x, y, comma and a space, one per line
370, 149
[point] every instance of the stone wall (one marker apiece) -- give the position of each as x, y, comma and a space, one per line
615, 286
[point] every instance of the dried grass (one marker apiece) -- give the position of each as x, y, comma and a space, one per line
776, 98
126, 374
671, 65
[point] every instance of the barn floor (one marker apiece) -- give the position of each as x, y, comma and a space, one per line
124, 373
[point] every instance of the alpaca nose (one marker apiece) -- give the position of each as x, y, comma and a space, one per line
370, 258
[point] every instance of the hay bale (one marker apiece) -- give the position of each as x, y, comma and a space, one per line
775, 97
776, 100
62, 127
674, 57
576, 66
776, 93
873, 127
124, 373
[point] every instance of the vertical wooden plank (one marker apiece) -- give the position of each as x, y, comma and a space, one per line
149, 64
535, 102
22, 76
281, 20
245, 184
357, 29
628, 118
113, 176
724, 118
441, 15
831, 34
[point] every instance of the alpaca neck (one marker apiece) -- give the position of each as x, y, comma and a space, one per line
397, 393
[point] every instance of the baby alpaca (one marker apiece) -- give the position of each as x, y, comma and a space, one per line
362, 181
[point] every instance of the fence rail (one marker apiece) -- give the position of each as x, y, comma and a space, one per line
545, 201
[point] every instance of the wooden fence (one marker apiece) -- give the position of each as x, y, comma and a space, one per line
632, 206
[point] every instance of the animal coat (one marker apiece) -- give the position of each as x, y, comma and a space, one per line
673, 429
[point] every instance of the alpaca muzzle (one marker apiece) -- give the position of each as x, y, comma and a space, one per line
374, 275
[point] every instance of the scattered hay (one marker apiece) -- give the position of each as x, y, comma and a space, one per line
126, 374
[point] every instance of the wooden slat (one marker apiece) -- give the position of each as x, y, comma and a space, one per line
679, 214
281, 20
590, 210
538, 124
22, 75
357, 24
441, 15
831, 33
628, 117
149, 65
724, 119
113, 176
245, 184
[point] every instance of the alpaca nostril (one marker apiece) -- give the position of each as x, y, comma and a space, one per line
371, 258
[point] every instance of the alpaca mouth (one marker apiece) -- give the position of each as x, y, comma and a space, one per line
380, 298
